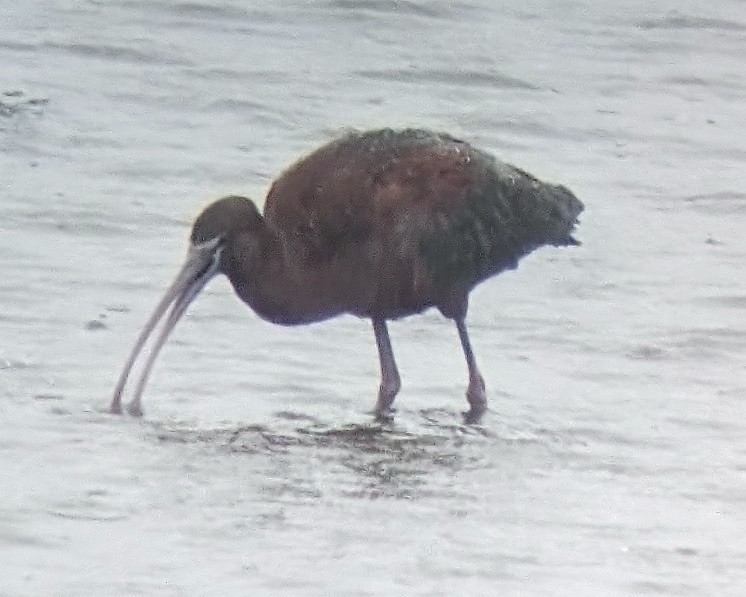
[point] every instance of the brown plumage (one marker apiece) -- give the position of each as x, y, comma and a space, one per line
381, 225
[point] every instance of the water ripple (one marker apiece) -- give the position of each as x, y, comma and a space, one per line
119, 53
676, 21
460, 77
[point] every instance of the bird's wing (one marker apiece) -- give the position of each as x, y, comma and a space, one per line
417, 195
319, 205
466, 215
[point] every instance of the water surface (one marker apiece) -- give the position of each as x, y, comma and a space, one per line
612, 460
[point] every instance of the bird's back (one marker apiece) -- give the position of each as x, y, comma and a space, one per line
404, 220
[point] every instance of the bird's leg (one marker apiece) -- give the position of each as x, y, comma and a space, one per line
475, 393
390, 381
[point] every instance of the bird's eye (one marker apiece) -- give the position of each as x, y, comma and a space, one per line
210, 244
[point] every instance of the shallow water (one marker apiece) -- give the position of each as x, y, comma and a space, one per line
612, 460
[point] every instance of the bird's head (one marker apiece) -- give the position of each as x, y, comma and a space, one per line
213, 234
224, 219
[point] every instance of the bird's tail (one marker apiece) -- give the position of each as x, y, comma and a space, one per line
563, 209
542, 213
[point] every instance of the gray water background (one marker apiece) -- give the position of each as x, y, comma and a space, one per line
612, 461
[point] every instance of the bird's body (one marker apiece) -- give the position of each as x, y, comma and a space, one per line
381, 225
390, 223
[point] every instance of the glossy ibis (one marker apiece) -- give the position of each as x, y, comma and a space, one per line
379, 224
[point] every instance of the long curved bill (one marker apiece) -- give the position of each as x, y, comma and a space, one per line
201, 265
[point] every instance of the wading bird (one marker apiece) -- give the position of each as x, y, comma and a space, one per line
380, 224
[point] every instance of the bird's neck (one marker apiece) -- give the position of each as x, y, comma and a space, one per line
263, 276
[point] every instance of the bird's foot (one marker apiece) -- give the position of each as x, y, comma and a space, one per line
384, 415
135, 409
474, 415
477, 398
384, 411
